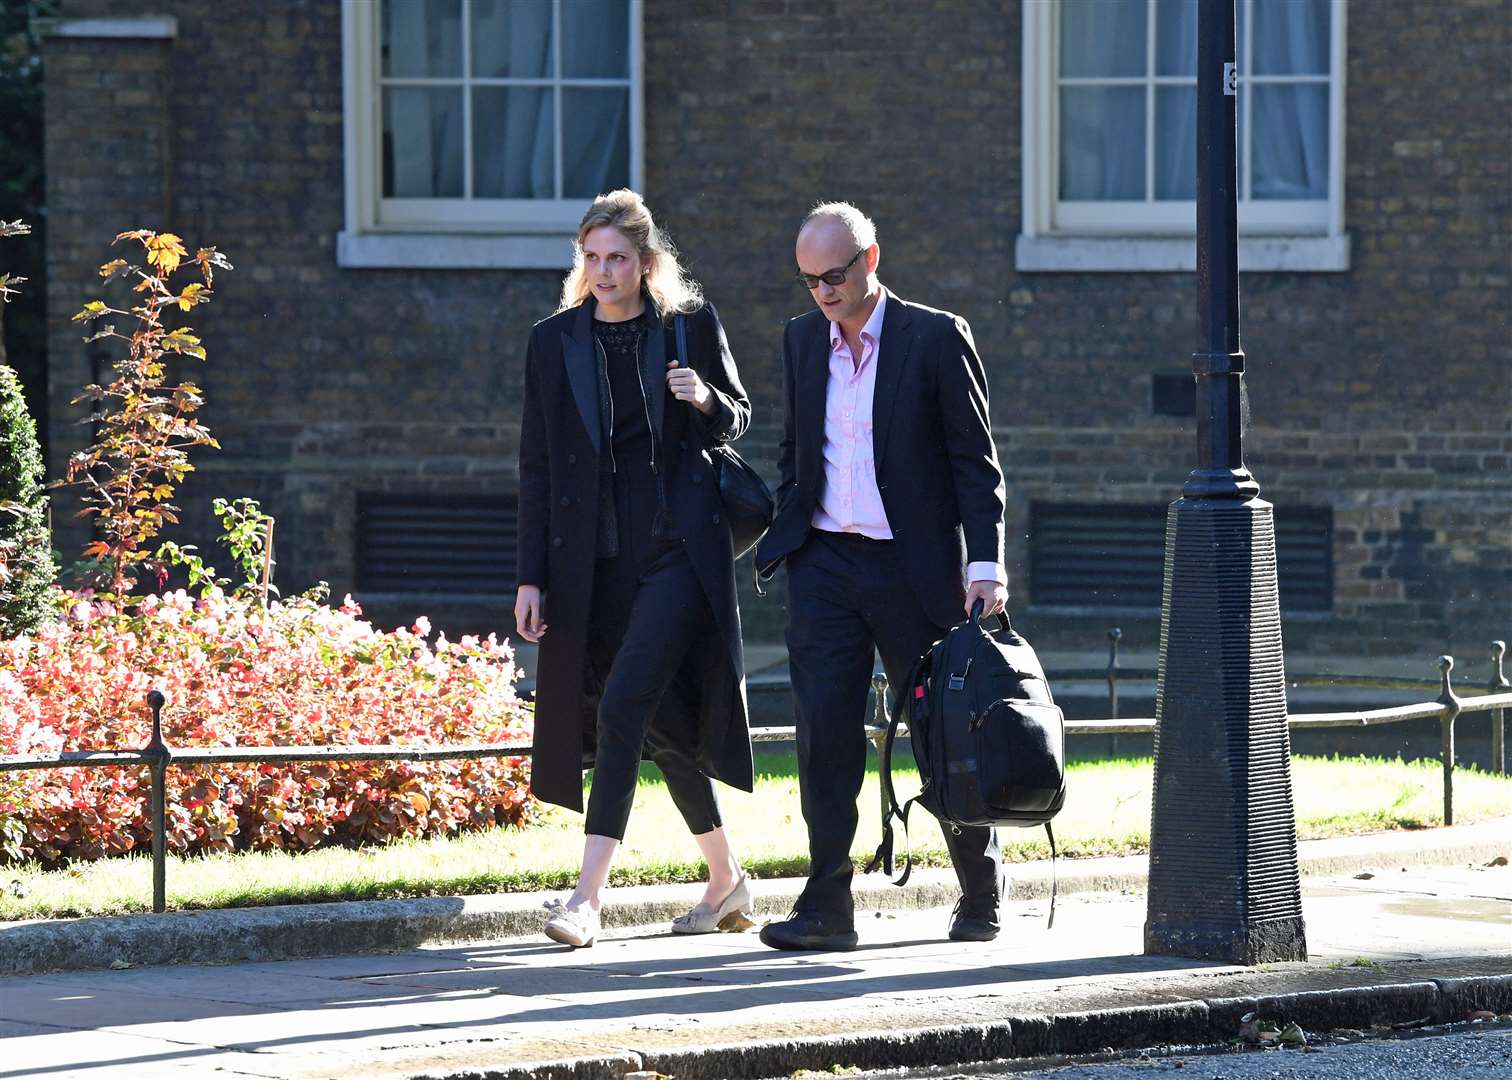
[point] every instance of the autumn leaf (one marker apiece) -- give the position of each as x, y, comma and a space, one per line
111, 267
96, 550
6, 281
91, 310
183, 340
165, 251
209, 258
190, 296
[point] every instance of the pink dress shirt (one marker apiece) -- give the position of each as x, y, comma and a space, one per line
849, 501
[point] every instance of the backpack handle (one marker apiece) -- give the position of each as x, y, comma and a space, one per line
1005, 628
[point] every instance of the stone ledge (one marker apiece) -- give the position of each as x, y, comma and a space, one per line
160, 27
375, 926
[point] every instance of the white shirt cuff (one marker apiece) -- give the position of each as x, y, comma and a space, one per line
986, 571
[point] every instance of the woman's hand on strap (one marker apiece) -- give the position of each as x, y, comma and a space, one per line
687, 385
530, 621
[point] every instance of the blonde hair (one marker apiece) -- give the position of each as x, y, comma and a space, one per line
667, 284
862, 229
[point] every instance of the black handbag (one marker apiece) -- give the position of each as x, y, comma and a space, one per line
748, 502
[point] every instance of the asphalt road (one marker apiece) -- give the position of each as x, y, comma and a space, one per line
1480, 1053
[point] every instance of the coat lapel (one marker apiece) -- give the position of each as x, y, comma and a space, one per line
582, 370
812, 389
891, 356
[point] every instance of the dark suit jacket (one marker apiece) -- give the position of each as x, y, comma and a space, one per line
560, 443
937, 467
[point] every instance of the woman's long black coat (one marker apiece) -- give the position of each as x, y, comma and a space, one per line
559, 462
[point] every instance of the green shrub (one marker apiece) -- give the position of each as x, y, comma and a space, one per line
26, 562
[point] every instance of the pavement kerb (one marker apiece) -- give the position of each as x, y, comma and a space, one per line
308, 930
1196, 1022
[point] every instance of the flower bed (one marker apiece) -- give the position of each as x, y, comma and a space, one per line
236, 673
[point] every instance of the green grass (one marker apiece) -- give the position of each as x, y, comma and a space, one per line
1107, 813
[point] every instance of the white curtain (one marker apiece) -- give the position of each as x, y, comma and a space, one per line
514, 137
1290, 140
595, 122
1103, 127
422, 126
1176, 106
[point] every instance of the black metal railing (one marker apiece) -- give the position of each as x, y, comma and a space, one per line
1448, 707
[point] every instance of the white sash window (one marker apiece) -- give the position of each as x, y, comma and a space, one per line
1110, 108
479, 130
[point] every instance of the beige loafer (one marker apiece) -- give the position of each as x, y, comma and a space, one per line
731, 916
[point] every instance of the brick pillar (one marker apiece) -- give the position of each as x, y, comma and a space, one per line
108, 147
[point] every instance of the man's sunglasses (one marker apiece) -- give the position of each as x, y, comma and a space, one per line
829, 277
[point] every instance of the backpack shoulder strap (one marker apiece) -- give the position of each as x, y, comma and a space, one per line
883, 858
680, 321
1050, 924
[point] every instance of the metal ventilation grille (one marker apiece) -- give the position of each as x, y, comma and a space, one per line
1110, 555
436, 543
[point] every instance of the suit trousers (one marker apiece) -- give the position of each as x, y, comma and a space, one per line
848, 596
647, 616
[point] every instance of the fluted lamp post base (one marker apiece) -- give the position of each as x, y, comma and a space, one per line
1224, 881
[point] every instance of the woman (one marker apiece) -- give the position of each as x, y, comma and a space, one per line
626, 573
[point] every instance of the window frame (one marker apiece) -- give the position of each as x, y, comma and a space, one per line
1156, 235
448, 232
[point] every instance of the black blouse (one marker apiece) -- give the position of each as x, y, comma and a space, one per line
622, 343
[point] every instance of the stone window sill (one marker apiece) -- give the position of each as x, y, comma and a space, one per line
454, 251
1159, 254
138, 26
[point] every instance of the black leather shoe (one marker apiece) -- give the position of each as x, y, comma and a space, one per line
811, 930
975, 920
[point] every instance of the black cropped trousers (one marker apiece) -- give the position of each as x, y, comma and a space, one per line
648, 614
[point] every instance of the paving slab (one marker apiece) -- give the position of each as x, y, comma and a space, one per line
1431, 942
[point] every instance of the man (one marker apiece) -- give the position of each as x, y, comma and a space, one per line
890, 517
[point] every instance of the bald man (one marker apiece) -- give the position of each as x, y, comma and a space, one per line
890, 520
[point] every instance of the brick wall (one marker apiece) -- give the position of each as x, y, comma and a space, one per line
1382, 392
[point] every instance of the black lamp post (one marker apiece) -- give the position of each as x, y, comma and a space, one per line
1223, 841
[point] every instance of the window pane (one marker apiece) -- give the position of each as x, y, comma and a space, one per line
1102, 142
595, 39
1291, 142
1291, 37
595, 141
514, 143
422, 142
1102, 38
422, 39
1176, 142
1176, 37
511, 39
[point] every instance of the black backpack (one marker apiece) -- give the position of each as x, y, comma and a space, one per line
988, 737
